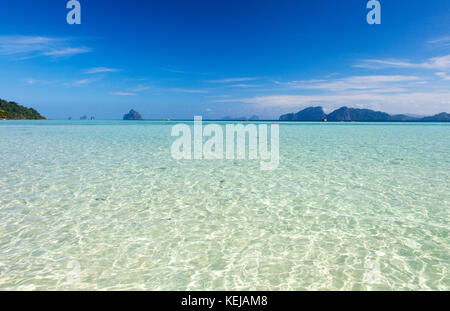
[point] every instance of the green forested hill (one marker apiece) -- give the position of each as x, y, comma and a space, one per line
14, 111
358, 115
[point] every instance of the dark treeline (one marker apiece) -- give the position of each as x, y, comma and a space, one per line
14, 111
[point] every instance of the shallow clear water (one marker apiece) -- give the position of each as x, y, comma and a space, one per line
102, 205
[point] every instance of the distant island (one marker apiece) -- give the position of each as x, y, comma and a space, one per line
133, 115
345, 114
14, 111
83, 118
243, 118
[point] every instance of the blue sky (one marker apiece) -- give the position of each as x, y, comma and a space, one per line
177, 59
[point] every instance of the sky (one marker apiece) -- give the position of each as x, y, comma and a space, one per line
216, 58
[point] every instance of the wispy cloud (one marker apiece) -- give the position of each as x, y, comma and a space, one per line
84, 81
440, 42
32, 81
353, 83
390, 93
25, 47
443, 76
100, 70
192, 91
10, 45
132, 91
178, 71
67, 51
124, 94
418, 102
173, 70
80, 82
440, 63
232, 80
141, 88
220, 96
245, 85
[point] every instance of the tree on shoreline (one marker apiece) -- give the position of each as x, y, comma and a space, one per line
14, 111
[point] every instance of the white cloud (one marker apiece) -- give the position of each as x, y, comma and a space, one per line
390, 93
440, 63
10, 45
443, 76
84, 81
34, 46
80, 82
245, 85
67, 51
32, 81
440, 42
192, 91
124, 94
132, 91
417, 102
354, 83
141, 88
100, 70
174, 70
219, 96
232, 80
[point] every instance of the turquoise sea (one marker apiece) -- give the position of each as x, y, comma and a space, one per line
102, 205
